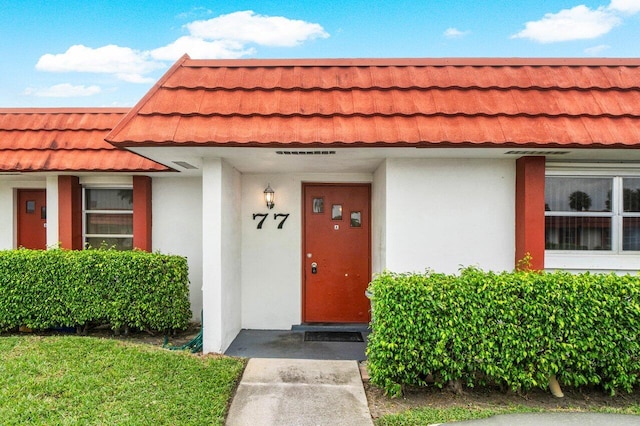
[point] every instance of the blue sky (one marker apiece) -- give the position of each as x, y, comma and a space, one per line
109, 53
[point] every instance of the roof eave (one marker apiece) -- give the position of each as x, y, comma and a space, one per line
399, 144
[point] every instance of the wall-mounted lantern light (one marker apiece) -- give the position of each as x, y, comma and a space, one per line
269, 196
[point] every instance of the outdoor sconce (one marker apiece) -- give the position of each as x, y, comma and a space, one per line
269, 196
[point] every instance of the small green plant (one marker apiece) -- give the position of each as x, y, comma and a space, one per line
512, 329
43, 289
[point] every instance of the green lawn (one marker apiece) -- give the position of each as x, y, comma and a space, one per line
429, 415
82, 380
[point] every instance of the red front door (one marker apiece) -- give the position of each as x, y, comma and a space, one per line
32, 218
337, 253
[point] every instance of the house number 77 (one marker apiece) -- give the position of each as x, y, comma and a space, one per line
264, 216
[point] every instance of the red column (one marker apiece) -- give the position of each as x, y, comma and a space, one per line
142, 213
70, 212
530, 210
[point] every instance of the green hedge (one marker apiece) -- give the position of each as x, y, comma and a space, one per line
508, 329
43, 289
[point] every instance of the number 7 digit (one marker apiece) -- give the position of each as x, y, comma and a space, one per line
277, 215
263, 216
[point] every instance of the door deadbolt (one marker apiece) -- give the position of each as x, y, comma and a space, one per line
314, 268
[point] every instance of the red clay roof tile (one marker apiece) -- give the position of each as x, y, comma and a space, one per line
392, 102
75, 161
382, 130
382, 102
402, 77
58, 139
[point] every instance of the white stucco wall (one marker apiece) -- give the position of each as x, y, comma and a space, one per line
53, 233
221, 258
271, 257
7, 223
177, 227
379, 219
231, 254
446, 213
212, 319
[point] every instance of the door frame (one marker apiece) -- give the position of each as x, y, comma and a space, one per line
303, 236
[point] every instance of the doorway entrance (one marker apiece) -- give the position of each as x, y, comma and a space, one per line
32, 218
336, 253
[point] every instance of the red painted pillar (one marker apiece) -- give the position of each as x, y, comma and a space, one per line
530, 210
70, 212
142, 212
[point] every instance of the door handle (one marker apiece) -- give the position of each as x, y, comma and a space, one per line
314, 268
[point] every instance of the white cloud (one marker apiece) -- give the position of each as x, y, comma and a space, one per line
199, 48
454, 33
248, 27
577, 23
625, 6
226, 36
125, 63
596, 50
64, 90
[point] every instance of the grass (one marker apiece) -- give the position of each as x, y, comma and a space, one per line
80, 380
430, 415
72, 380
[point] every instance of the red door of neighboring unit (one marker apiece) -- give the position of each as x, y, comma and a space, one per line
32, 218
337, 253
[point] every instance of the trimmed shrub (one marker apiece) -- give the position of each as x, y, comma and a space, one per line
43, 289
512, 329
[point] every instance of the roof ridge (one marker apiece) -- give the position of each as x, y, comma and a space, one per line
55, 129
66, 110
392, 114
346, 88
386, 62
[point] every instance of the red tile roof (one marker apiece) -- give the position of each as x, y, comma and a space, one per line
382, 102
68, 139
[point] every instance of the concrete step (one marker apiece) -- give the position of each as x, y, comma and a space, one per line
356, 327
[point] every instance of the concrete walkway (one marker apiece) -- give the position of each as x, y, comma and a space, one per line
305, 392
300, 392
326, 388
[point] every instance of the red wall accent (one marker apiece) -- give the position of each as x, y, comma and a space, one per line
530, 210
142, 212
70, 212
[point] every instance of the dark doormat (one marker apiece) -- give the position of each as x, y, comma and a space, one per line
333, 336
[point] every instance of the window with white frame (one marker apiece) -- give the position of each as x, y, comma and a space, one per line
592, 213
108, 217
631, 213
